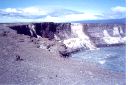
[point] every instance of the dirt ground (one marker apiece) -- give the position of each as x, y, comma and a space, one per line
23, 62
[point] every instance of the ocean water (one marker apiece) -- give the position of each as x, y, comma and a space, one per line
112, 58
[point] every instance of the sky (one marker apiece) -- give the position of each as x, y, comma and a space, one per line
60, 10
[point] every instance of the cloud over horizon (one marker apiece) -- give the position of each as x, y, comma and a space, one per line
38, 14
119, 9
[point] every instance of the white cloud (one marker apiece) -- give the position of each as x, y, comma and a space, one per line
10, 10
118, 9
114, 13
38, 14
26, 11
84, 16
71, 17
34, 11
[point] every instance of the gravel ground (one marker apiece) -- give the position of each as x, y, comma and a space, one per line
22, 62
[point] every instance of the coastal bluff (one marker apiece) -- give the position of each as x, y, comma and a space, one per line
77, 35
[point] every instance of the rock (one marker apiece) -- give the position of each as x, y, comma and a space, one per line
21, 40
5, 33
18, 58
56, 76
42, 46
64, 54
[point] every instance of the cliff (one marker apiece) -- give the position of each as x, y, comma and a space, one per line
106, 34
76, 35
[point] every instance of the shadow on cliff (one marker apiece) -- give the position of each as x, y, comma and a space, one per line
45, 30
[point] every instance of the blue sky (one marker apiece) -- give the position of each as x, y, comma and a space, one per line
60, 10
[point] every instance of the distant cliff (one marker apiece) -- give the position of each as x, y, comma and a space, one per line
107, 21
76, 35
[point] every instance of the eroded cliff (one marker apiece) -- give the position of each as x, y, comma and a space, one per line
76, 35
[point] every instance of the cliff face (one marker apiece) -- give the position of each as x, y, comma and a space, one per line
106, 34
47, 30
63, 31
76, 35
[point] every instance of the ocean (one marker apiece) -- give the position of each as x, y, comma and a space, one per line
112, 58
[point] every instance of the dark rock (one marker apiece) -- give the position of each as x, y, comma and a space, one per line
64, 54
18, 58
56, 76
21, 29
50, 77
46, 30
49, 46
5, 33
21, 40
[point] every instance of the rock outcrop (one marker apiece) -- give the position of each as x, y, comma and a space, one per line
75, 35
106, 34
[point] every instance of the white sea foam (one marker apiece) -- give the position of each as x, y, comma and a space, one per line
102, 61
